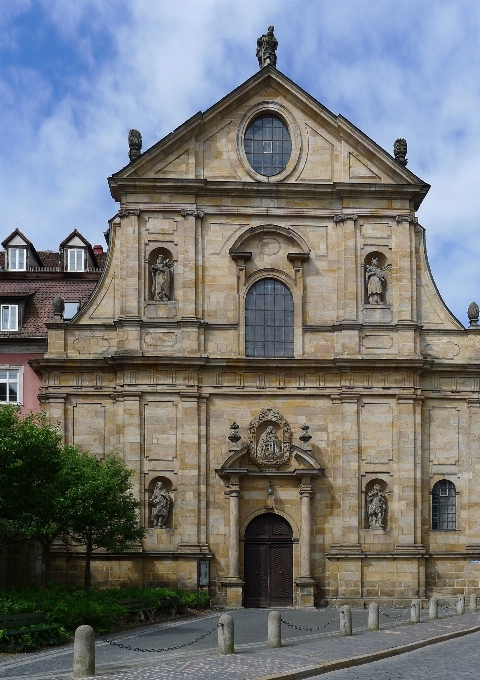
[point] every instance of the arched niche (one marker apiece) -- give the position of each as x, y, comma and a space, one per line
168, 484
152, 259
382, 261
386, 490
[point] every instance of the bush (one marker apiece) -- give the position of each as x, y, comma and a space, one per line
71, 606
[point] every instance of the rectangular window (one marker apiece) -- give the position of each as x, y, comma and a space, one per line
71, 308
9, 317
9, 381
75, 260
17, 259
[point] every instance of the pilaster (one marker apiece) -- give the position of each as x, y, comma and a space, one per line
347, 293
190, 290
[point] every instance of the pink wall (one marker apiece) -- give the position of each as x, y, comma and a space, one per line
31, 382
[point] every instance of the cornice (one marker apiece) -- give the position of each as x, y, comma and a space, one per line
201, 188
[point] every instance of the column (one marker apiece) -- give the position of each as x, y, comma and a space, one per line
234, 533
305, 583
306, 528
233, 584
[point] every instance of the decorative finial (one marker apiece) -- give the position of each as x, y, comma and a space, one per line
400, 151
58, 306
305, 436
135, 144
266, 49
234, 437
473, 313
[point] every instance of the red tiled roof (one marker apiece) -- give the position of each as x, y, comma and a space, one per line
38, 306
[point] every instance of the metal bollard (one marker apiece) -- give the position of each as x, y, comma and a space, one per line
274, 630
345, 620
433, 609
373, 616
84, 652
473, 602
461, 604
415, 611
225, 635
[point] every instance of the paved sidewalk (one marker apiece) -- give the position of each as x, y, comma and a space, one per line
301, 650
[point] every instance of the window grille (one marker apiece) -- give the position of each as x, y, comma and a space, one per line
444, 506
9, 392
269, 320
268, 145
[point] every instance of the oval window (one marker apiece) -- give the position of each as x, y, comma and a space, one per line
268, 145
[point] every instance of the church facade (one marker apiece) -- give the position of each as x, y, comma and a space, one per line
268, 352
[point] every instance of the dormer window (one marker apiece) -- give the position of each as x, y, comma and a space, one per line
17, 259
9, 317
75, 260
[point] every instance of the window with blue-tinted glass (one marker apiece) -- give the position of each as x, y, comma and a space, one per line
269, 320
444, 506
268, 145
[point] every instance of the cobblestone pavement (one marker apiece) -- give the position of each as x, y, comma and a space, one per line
459, 659
251, 660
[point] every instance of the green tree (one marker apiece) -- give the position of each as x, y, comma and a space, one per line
49, 490
31, 459
106, 514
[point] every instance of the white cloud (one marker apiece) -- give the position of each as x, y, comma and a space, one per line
394, 69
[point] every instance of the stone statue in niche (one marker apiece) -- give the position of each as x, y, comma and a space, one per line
269, 447
161, 501
161, 278
376, 282
376, 507
266, 49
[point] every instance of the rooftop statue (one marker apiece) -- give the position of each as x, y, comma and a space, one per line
266, 49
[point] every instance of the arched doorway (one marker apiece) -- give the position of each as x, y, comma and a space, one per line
268, 562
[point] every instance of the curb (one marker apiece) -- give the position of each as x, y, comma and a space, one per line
339, 664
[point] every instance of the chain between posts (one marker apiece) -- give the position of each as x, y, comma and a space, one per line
163, 649
399, 616
310, 630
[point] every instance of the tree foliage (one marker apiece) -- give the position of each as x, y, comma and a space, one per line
51, 491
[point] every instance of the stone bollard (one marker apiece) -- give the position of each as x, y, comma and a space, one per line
84, 652
433, 609
415, 611
473, 602
461, 604
225, 635
373, 616
345, 620
274, 630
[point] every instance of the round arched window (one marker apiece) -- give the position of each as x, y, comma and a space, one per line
268, 145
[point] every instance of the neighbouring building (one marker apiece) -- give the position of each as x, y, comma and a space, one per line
30, 280
267, 350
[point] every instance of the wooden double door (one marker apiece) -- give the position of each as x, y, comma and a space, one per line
268, 563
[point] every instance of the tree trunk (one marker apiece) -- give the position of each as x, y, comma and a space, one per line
88, 574
46, 565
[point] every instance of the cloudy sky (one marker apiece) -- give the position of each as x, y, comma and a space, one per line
76, 75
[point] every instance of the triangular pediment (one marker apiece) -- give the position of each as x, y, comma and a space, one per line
325, 148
